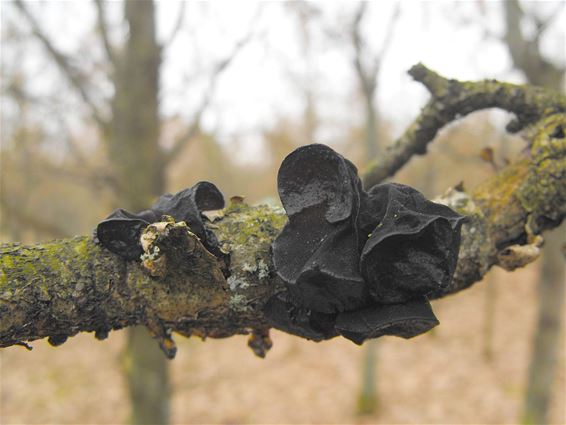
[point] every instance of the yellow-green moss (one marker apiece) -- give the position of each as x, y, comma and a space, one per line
243, 224
547, 170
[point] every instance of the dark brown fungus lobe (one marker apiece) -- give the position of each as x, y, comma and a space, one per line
120, 233
413, 250
56, 340
308, 324
316, 254
355, 262
406, 320
315, 175
121, 230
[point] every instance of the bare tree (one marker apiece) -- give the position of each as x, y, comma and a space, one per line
526, 55
131, 133
306, 13
368, 67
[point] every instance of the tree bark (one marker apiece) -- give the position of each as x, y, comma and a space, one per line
63, 287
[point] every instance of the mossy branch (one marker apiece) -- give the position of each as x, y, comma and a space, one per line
60, 288
453, 99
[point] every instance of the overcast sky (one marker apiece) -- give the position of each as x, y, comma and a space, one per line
261, 85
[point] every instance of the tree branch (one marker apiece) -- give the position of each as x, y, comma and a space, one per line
525, 53
178, 25
64, 287
103, 30
194, 128
452, 100
67, 69
391, 24
367, 81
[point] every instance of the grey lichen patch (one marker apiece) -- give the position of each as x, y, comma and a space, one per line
477, 255
249, 268
263, 269
260, 268
235, 283
247, 232
239, 303
459, 201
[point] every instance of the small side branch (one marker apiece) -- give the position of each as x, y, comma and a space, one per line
62, 62
178, 26
103, 30
193, 129
451, 100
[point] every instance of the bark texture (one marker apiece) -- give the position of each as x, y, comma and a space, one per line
63, 287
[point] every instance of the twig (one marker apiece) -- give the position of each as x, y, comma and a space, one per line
177, 27
103, 30
193, 129
451, 100
63, 64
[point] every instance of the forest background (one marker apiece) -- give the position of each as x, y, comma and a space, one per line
237, 87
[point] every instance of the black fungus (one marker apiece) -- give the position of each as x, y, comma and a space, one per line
414, 248
308, 324
406, 320
120, 231
316, 253
354, 262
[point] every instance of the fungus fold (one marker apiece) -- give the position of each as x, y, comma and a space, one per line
357, 263
120, 231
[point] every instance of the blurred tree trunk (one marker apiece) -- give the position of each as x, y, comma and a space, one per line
368, 399
489, 315
372, 142
526, 55
367, 67
131, 133
367, 76
542, 369
136, 160
306, 13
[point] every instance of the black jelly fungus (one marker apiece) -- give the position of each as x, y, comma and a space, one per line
121, 230
360, 263
406, 320
307, 324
